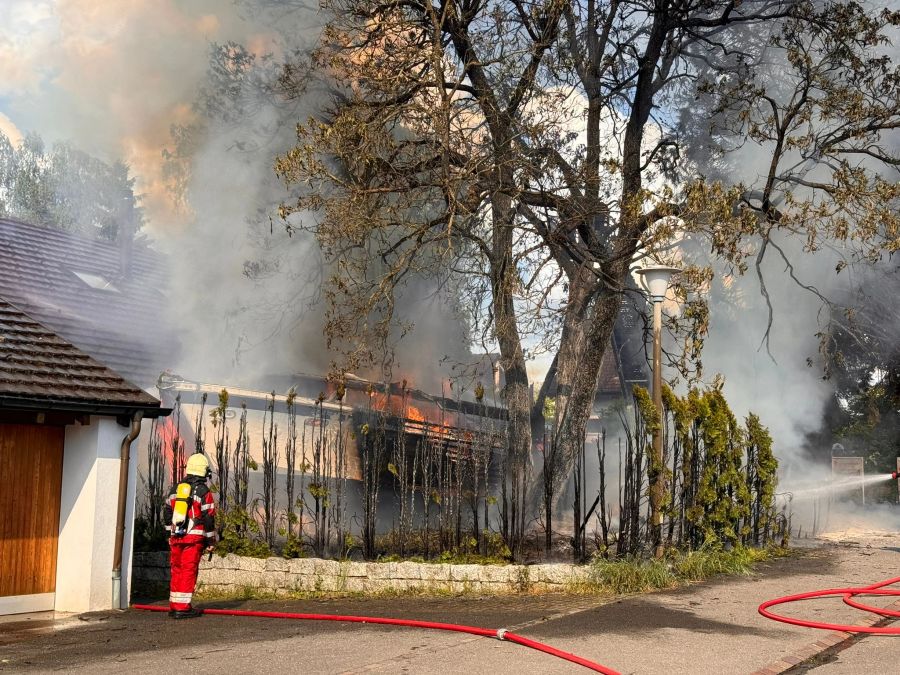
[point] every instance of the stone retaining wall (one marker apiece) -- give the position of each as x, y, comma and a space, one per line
233, 574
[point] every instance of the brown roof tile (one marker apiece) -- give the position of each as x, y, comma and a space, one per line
121, 328
36, 364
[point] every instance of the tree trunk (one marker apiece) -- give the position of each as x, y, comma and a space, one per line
584, 383
582, 347
579, 370
504, 280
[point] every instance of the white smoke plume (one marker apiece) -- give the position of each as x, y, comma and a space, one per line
782, 378
116, 78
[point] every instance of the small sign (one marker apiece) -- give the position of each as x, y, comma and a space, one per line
845, 468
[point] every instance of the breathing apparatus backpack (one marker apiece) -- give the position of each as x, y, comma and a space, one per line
184, 495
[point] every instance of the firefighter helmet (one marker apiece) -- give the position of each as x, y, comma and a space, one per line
197, 465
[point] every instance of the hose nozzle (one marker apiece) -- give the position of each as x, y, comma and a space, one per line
894, 475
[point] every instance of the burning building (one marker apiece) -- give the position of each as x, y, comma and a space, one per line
410, 449
336, 429
109, 299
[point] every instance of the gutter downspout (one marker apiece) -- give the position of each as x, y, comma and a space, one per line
124, 461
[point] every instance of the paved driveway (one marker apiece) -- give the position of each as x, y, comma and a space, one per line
709, 628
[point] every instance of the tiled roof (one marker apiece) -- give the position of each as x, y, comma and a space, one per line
628, 346
608, 379
119, 327
38, 365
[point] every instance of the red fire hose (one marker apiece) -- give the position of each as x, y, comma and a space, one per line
500, 634
849, 595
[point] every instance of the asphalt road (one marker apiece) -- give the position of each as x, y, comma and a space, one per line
710, 628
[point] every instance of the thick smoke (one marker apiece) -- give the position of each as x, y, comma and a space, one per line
247, 293
135, 80
777, 370
779, 378
243, 289
109, 76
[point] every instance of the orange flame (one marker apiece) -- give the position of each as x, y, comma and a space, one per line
171, 442
414, 414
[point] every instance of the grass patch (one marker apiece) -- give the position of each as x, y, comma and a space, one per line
241, 593
622, 577
448, 557
631, 576
386, 593
703, 564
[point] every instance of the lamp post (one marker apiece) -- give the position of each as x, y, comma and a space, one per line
656, 280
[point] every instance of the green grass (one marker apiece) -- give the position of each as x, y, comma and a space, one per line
622, 577
448, 557
699, 565
631, 576
242, 593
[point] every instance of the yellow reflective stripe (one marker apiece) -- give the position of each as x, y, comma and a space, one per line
181, 597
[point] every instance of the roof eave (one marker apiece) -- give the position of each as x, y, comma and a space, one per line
150, 410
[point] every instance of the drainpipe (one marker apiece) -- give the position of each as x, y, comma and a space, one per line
120, 512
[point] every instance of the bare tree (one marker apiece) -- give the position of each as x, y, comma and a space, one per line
177, 444
270, 471
218, 419
290, 458
318, 487
241, 462
372, 449
155, 482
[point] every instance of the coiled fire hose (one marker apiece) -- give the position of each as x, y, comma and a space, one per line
501, 634
849, 595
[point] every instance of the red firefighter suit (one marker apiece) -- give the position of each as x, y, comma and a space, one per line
186, 549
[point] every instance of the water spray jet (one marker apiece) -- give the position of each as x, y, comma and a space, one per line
838, 485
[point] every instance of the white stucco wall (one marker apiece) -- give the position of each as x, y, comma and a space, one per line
87, 521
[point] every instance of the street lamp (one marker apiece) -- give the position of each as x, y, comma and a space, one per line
656, 280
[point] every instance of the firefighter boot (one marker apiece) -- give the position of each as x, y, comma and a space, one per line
189, 613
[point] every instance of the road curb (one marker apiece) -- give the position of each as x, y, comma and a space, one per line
832, 639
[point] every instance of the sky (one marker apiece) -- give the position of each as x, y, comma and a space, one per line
112, 76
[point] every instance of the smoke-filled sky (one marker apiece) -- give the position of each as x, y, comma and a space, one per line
112, 76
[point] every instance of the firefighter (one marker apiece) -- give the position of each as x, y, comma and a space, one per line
190, 516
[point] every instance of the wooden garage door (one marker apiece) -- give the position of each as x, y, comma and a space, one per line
30, 482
